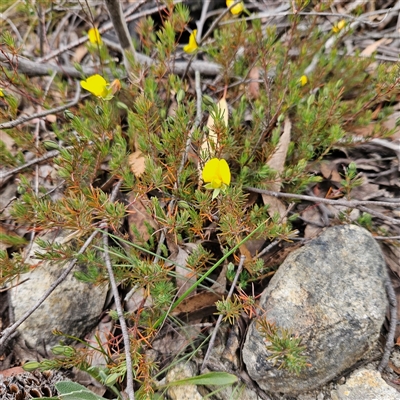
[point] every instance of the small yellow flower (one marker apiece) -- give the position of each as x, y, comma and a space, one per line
235, 10
1, 92
339, 26
303, 80
94, 36
192, 45
96, 85
216, 174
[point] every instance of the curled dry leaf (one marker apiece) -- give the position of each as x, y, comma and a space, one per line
277, 162
329, 171
185, 277
369, 50
139, 219
198, 306
137, 162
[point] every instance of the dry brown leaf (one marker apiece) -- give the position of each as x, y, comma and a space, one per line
312, 214
12, 371
277, 162
137, 162
367, 52
329, 171
185, 277
219, 285
254, 85
139, 218
8, 141
211, 141
80, 52
138, 299
201, 304
278, 158
51, 118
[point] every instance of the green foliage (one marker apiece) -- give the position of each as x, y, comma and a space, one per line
286, 350
157, 117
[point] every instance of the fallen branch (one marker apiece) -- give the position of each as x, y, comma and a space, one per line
26, 118
360, 204
32, 68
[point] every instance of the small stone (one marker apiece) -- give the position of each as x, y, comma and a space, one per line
74, 307
184, 392
331, 293
365, 384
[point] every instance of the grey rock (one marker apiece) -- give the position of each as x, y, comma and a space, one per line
185, 392
74, 307
366, 385
331, 293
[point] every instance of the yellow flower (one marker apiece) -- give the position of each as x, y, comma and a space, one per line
216, 174
192, 45
94, 36
235, 10
1, 92
339, 26
303, 80
96, 85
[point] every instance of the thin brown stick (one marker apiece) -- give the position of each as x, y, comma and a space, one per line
114, 8
32, 68
47, 156
120, 311
339, 202
8, 331
359, 204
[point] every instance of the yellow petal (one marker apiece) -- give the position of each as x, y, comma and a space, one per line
235, 10
94, 36
224, 172
210, 170
303, 80
192, 45
1, 92
96, 85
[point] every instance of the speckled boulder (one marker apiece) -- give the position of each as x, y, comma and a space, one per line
331, 293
